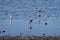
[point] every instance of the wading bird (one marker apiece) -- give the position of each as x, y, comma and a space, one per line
10, 19
30, 23
39, 16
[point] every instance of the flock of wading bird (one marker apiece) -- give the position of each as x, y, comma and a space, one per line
38, 17
31, 20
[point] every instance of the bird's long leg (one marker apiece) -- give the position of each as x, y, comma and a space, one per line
10, 21
39, 20
30, 25
39, 17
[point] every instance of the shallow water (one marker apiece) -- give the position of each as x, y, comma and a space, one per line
23, 11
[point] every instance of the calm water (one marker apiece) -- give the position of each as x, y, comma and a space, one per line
16, 14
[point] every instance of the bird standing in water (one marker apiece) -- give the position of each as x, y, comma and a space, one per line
10, 19
39, 15
30, 23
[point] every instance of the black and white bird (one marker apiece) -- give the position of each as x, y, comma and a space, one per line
30, 23
39, 16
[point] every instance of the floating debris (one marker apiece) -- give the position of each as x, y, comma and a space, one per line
39, 10
44, 34
46, 23
3, 31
